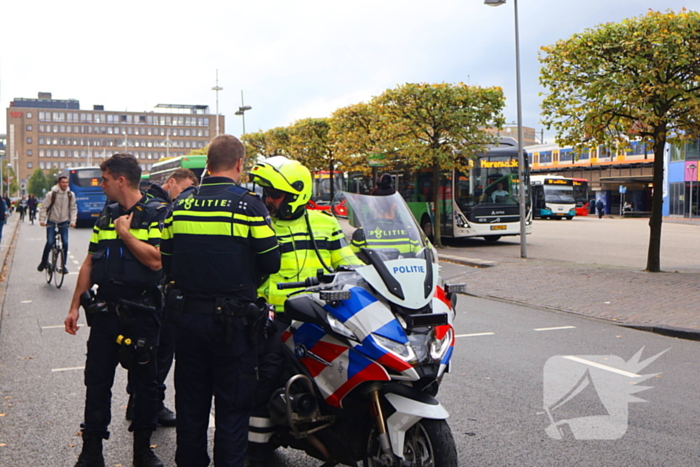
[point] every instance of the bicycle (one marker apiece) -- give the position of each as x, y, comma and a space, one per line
56, 267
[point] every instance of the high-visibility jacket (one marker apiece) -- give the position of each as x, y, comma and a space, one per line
299, 258
218, 242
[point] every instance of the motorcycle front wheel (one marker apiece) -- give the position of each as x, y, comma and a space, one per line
428, 443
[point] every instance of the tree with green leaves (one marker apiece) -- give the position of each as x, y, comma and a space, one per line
439, 127
637, 79
359, 135
37, 183
311, 143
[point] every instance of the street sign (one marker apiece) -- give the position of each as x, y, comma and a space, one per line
623, 189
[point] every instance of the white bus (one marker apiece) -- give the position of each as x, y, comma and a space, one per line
552, 197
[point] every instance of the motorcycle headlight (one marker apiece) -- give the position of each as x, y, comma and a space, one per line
402, 351
439, 347
340, 328
419, 344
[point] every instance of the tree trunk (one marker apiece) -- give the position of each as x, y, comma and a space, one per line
437, 234
657, 204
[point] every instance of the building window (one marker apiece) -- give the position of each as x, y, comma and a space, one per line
29, 128
29, 140
29, 165
29, 115
30, 152
41, 153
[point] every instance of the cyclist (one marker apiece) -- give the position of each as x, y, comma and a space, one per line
33, 204
58, 209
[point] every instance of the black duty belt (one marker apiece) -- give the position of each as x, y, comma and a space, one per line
215, 306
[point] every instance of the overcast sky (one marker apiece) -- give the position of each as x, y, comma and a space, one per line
292, 59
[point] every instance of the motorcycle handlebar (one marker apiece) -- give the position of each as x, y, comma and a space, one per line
309, 282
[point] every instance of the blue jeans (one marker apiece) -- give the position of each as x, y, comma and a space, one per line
51, 240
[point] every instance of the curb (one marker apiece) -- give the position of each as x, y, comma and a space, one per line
6, 261
670, 331
475, 263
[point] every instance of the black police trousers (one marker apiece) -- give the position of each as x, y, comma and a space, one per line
270, 378
102, 360
205, 366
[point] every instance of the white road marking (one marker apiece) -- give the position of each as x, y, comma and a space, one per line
476, 334
57, 326
212, 422
68, 369
602, 367
26, 301
555, 329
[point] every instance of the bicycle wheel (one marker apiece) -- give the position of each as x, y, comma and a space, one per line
59, 266
49, 268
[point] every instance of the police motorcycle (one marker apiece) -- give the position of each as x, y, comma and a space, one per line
367, 348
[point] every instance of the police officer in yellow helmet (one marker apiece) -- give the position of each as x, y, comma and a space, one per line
309, 240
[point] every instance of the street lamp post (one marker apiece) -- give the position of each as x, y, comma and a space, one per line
691, 171
217, 88
521, 158
242, 110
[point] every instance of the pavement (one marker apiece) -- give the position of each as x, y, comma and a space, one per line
7, 246
665, 303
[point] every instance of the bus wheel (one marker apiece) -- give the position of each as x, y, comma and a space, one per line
427, 226
492, 238
570, 218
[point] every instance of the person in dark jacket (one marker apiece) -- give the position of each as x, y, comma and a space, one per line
179, 181
218, 244
600, 206
384, 186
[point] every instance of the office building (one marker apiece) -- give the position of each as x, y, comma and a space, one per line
49, 133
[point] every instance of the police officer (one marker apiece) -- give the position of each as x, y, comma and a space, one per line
309, 240
178, 181
217, 245
124, 319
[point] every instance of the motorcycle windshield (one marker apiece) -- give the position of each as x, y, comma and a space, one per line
384, 235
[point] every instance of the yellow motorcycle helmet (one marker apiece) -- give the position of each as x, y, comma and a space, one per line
288, 176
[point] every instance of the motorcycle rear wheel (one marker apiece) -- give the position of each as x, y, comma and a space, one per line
428, 443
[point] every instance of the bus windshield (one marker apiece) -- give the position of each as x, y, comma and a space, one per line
86, 178
562, 194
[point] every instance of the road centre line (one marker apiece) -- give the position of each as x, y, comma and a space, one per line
602, 367
477, 334
75, 368
555, 328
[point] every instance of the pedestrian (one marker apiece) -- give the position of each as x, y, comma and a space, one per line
58, 209
287, 187
23, 207
383, 187
179, 181
218, 244
124, 317
600, 206
8, 204
3, 216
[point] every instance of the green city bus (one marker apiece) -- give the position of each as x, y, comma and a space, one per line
161, 170
482, 201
